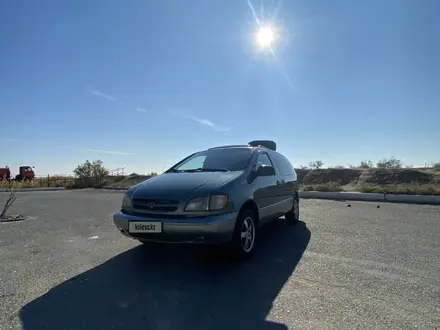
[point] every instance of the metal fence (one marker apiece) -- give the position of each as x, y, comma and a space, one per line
65, 180
40, 181
59, 180
54, 180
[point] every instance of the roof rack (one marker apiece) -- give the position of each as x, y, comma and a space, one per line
231, 146
264, 143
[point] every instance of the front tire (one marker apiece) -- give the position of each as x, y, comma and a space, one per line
292, 216
244, 238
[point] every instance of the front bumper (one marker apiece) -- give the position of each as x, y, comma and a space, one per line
215, 229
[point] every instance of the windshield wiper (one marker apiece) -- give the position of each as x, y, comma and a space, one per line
173, 170
206, 170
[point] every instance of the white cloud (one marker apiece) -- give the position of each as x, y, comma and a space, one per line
140, 109
112, 152
209, 123
103, 95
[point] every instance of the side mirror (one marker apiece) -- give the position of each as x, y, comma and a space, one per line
265, 170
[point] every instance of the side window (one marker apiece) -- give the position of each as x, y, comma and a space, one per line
283, 164
192, 164
263, 159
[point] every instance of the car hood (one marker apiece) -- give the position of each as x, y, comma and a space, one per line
181, 186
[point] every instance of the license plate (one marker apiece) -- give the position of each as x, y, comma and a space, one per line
145, 227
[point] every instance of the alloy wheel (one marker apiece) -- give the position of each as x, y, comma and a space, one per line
296, 209
247, 234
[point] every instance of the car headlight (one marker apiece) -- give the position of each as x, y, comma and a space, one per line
126, 203
212, 203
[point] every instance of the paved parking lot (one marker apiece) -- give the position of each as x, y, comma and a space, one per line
341, 267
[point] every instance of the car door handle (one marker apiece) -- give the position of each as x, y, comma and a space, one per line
278, 182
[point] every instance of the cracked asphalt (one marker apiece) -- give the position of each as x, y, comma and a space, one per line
359, 267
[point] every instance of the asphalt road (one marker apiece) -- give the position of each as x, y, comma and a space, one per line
358, 267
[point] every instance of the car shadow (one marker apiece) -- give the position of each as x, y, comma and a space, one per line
175, 288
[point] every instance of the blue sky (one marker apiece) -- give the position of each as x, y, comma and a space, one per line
143, 83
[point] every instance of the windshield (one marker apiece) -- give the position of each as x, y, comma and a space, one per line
232, 159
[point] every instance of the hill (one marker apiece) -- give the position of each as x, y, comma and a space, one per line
404, 180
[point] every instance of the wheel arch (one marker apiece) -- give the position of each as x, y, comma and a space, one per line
251, 205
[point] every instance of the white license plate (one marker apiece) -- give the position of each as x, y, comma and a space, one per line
144, 227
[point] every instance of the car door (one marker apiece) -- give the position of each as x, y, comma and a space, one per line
266, 190
286, 182
279, 192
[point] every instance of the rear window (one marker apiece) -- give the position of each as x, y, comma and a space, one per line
283, 164
232, 159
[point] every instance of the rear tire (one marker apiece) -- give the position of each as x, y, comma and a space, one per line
245, 234
292, 216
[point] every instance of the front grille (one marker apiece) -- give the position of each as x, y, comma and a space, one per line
158, 215
155, 205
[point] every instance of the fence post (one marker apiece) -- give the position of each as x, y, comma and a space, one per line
48, 180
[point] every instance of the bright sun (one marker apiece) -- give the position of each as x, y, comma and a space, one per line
265, 37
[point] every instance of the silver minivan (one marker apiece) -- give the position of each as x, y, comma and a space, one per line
222, 196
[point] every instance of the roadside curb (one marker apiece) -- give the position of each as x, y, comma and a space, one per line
372, 197
33, 189
115, 188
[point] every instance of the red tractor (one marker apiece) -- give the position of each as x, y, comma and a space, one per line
5, 173
25, 173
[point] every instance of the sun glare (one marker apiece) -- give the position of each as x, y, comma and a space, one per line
265, 37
